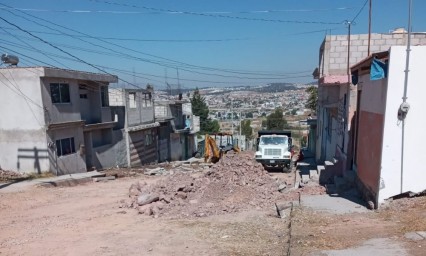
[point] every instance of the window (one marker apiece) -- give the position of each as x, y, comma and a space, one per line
65, 146
148, 139
83, 91
104, 96
60, 93
147, 100
132, 100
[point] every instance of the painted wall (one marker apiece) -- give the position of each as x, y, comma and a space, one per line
23, 144
62, 112
414, 175
370, 131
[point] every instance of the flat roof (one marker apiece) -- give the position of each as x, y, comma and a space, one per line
66, 73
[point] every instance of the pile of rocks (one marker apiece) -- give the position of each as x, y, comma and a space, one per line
233, 184
9, 175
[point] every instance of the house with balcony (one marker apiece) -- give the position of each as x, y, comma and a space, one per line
134, 109
177, 138
56, 120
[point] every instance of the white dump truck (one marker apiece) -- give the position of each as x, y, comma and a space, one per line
274, 149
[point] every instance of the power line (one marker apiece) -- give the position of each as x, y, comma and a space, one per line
216, 15
175, 12
295, 74
32, 47
171, 65
359, 12
147, 40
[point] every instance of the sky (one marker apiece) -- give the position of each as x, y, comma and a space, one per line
194, 43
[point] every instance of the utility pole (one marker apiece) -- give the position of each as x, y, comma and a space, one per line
369, 28
348, 92
232, 116
240, 124
349, 24
404, 107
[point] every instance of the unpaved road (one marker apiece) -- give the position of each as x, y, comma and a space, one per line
86, 220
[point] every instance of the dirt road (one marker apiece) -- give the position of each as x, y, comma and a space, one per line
86, 220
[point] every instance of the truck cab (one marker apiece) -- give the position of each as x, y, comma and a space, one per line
274, 149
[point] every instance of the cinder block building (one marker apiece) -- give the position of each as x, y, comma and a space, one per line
134, 109
55, 120
337, 97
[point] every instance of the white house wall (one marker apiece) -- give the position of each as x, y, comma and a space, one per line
414, 175
22, 134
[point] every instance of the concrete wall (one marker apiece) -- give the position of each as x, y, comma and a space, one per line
137, 113
72, 163
61, 112
414, 175
175, 147
23, 144
113, 154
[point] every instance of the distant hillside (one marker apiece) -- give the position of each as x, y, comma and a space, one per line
276, 87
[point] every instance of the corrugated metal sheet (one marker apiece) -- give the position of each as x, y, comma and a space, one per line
140, 153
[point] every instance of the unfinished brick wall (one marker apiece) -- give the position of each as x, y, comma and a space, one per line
116, 97
334, 49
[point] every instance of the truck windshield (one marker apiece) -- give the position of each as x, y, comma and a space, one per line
273, 140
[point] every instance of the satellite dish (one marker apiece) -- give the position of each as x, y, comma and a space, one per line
9, 59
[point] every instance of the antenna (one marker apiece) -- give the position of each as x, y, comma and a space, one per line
168, 86
178, 85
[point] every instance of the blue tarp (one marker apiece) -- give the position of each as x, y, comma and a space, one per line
378, 70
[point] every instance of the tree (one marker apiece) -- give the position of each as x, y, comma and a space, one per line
312, 101
200, 108
246, 129
249, 115
276, 121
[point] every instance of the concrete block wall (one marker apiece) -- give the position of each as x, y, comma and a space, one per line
335, 50
116, 97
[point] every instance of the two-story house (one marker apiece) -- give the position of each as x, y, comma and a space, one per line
55, 120
135, 111
177, 129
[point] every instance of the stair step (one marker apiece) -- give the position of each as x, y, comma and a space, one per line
328, 163
305, 178
342, 184
320, 168
349, 176
313, 173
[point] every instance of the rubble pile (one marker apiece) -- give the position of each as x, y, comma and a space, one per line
9, 175
233, 184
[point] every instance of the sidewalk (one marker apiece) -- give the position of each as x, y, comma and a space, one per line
70, 179
331, 202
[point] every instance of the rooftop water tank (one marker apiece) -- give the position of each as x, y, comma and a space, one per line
9, 59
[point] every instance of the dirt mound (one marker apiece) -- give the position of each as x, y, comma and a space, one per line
9, 175
233, 184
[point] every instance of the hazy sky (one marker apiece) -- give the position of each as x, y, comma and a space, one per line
211, 43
